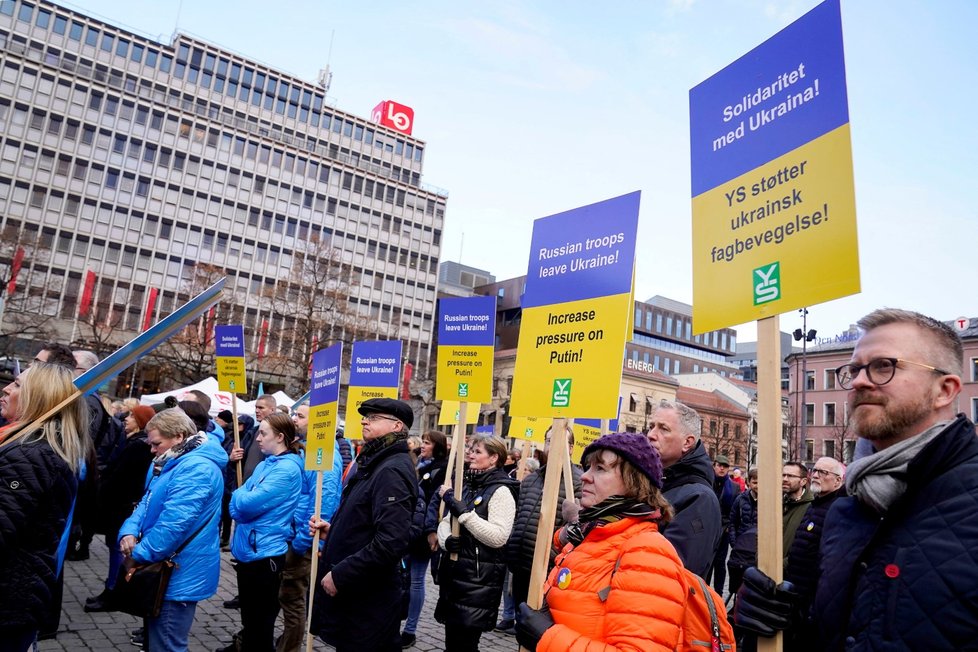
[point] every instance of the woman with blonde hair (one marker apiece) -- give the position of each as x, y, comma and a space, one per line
39, 468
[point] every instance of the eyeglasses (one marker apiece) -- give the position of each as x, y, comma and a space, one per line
825, 472
879, 371
378, 417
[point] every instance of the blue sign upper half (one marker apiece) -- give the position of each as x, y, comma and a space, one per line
229, 341
468, 321
375, 364
787, 91
324, 386
583, 253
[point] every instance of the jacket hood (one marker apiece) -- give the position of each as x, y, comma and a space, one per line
210, 449
286, 458
693, 467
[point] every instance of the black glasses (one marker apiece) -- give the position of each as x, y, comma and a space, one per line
825, 472
377, 417
879, 371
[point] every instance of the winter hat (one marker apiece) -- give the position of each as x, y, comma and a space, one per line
633, 447
225, 416
142, 414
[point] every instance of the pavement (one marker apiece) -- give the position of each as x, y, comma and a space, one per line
213, 625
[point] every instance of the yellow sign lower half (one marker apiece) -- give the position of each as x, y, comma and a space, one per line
464, 374
568, 362
354, 397
780, 237
448, 416
231, 375
321, 437
532, 429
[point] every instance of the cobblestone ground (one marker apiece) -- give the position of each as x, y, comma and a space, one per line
213, 626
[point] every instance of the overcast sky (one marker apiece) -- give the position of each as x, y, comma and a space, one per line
533, 108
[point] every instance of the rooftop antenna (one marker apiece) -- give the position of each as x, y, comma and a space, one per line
325, 78
176, 24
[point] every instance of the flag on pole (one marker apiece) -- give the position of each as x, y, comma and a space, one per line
15, 270
262, 338
261, 389
150, 307
86, 297
405, 386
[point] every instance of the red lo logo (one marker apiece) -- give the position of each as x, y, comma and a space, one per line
396, 116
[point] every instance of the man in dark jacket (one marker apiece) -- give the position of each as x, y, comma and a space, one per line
742, 533
357, 605
796, 498
898, 565
726, 491
687, 485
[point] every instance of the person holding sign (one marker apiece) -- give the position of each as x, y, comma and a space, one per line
618, 582
897, 557
357, 605
472, 584
263, 510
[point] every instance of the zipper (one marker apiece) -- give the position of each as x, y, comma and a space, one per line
477, 561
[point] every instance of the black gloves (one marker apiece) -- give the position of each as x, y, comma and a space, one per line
531, 624
453, 545
762, 607
455, 506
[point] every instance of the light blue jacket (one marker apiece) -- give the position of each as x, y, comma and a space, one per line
332, 488
185, 495
264, 506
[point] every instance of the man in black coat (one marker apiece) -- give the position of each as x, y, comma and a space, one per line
898, 562
357, 605
726, 491
687, 485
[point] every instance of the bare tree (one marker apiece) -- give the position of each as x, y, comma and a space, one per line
30, 311
725, 428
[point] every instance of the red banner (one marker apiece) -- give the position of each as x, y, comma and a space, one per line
262, 338
86, 297
15, 270
150, 307
406, 385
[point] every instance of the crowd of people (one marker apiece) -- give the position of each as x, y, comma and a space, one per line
877, 555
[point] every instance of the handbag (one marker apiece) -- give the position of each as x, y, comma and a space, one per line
141, 588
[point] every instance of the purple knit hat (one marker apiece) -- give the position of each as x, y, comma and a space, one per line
634, 448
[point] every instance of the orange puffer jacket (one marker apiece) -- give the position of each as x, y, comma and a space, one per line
637, 607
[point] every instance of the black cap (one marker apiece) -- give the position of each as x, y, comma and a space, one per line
399, 409
225, 416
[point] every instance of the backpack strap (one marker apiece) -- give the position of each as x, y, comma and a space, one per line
714, 621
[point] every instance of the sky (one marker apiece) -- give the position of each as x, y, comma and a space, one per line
533, 108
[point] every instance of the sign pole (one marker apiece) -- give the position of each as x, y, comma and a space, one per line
237, 434
315, 558
521, 467
770, 555
448, 470
459, 442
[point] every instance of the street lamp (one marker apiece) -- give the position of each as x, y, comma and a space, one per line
805, 336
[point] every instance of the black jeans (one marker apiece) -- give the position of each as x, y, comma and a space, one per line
719, 570
462, 639
258, 585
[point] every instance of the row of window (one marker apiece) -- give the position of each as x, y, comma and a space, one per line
682, 327
214, 72
680, 349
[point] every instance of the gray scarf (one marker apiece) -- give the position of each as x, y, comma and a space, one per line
879, 479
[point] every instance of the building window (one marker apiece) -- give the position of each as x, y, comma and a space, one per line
829, 379
828, 448
829, 414
809, 414
974, 370
809, 380
974, 409
809, 450
501, 293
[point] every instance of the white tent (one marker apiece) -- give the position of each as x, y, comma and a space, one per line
219, 400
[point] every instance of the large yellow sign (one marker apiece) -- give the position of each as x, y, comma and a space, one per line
532, 429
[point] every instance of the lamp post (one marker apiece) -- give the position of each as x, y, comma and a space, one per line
805, 336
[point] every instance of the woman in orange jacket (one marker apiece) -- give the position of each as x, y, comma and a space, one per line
618, 582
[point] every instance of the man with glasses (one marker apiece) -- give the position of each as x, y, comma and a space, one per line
358, 601
796, 498
898, 562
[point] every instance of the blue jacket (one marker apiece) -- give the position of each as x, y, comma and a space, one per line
307, 502
906, 579
263, 508
185, 495
215, 431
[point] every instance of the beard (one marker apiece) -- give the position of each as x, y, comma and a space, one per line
891, 420
816, 487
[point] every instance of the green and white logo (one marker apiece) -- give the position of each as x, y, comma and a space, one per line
561, 395
463, 390
767, 283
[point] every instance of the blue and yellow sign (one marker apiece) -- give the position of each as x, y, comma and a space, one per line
774, 210
466, 337
576, 307
324, 396
449, 413
230, 358
375, 369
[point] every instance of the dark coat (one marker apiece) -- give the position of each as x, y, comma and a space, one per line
123, 485
695, 530
907, 580
368, 537
37, 489
726, 491
519, 548
743, 515
471, 586
794, 512
431, 476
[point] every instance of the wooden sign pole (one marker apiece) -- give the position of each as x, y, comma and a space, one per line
448, 470
459, 442
315, 559
521, 467
237, 434
770, 556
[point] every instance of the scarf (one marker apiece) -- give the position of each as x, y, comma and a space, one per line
879, 479
374, 446
609, 510
189, 444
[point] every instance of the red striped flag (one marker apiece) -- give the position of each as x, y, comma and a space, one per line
405, 387
150, 307
86, 297
15, 270
262, 338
